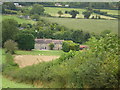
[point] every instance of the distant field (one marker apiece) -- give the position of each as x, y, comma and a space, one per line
113, 12
86, 25
17, 19
53, 11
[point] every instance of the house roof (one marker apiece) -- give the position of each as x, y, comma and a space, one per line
47, 41
83, 46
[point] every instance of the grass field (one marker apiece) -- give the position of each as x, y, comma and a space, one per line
113, 12
89, 25
35, 52
53, 12
17, 19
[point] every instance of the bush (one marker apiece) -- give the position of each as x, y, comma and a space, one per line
10, 46
51, 45
69, 45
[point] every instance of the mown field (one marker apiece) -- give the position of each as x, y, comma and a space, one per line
53, 12
17, 19
89, 25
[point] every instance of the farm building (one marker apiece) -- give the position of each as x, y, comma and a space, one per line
84, 47
43, 44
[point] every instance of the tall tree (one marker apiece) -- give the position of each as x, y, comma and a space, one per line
9, 29
25, 41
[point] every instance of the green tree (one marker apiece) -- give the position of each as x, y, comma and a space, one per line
25, 41
10, 46
9, 29
70, 45
60, 13
37, 9
51, 45
78, 36
73, 13
87, 14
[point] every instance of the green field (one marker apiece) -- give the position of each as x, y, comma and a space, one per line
53, 12
17, 19
89, 25
113, 12
38, 52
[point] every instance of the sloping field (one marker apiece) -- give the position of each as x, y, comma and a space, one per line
89, 25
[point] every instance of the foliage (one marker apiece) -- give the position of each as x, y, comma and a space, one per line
51, 45
69, 45
9, 29
9, 5
87, 14
60, 13
10, 46
104, 33
73, 13
36, 17
25, 41
37, 9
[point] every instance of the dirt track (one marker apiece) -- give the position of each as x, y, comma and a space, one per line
28, 60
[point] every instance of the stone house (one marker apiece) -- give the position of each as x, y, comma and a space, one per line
43, 44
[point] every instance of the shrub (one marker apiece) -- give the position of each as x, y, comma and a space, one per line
51, 45
70, 45
10, 46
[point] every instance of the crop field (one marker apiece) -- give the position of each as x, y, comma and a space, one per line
53, 12
17, 19
89, 25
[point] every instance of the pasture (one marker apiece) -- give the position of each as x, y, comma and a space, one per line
17, 19
88, 25
113, 12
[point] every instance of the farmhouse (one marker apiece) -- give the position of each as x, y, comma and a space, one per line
43, 44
